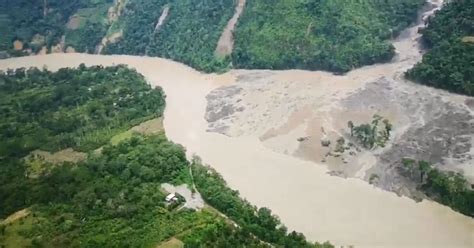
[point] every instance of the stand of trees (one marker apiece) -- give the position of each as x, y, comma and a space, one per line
448, 188
449, 63
371, 135
334, 35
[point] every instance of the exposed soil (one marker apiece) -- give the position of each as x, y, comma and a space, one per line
468, 39
171, 243
70, 49
18, 45
116, 10
66, 155
150, 127
108, 40
60, 47
45, 8
74, 22
226, 41
43, 51
162, 18
293, 112
113, 15
15, 216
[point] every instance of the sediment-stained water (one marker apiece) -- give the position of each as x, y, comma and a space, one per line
307, 199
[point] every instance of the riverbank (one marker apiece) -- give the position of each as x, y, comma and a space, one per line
301, 192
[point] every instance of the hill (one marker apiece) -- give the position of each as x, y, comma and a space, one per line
449, 62
320, 35
316, 35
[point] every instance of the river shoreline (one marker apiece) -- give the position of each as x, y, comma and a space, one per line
307, 199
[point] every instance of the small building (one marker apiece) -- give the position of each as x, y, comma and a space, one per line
171, 197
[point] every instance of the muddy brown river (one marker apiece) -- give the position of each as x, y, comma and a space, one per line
301, 193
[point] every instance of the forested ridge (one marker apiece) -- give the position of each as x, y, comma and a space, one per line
327, 35
449, 38
334, 35
113, 197
189, 34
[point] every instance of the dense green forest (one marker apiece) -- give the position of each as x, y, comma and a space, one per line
138, 24
189, 34
42, 23
448, 188
113, 200
113, 197
79, 108
335, 35
449, 63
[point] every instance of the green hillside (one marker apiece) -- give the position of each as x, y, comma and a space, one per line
449, 63
335, 35
282, 34
189, 34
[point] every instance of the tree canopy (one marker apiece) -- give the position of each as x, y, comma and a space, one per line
449, 37
446, 187
334, 35
79, 108
327, 35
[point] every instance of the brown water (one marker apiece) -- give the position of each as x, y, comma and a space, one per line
344, 211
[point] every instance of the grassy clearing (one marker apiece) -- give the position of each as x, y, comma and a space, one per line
121, 136
11, 236
66, 155
149, 127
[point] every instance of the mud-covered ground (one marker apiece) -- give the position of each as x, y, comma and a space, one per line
295, 115
303, 114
